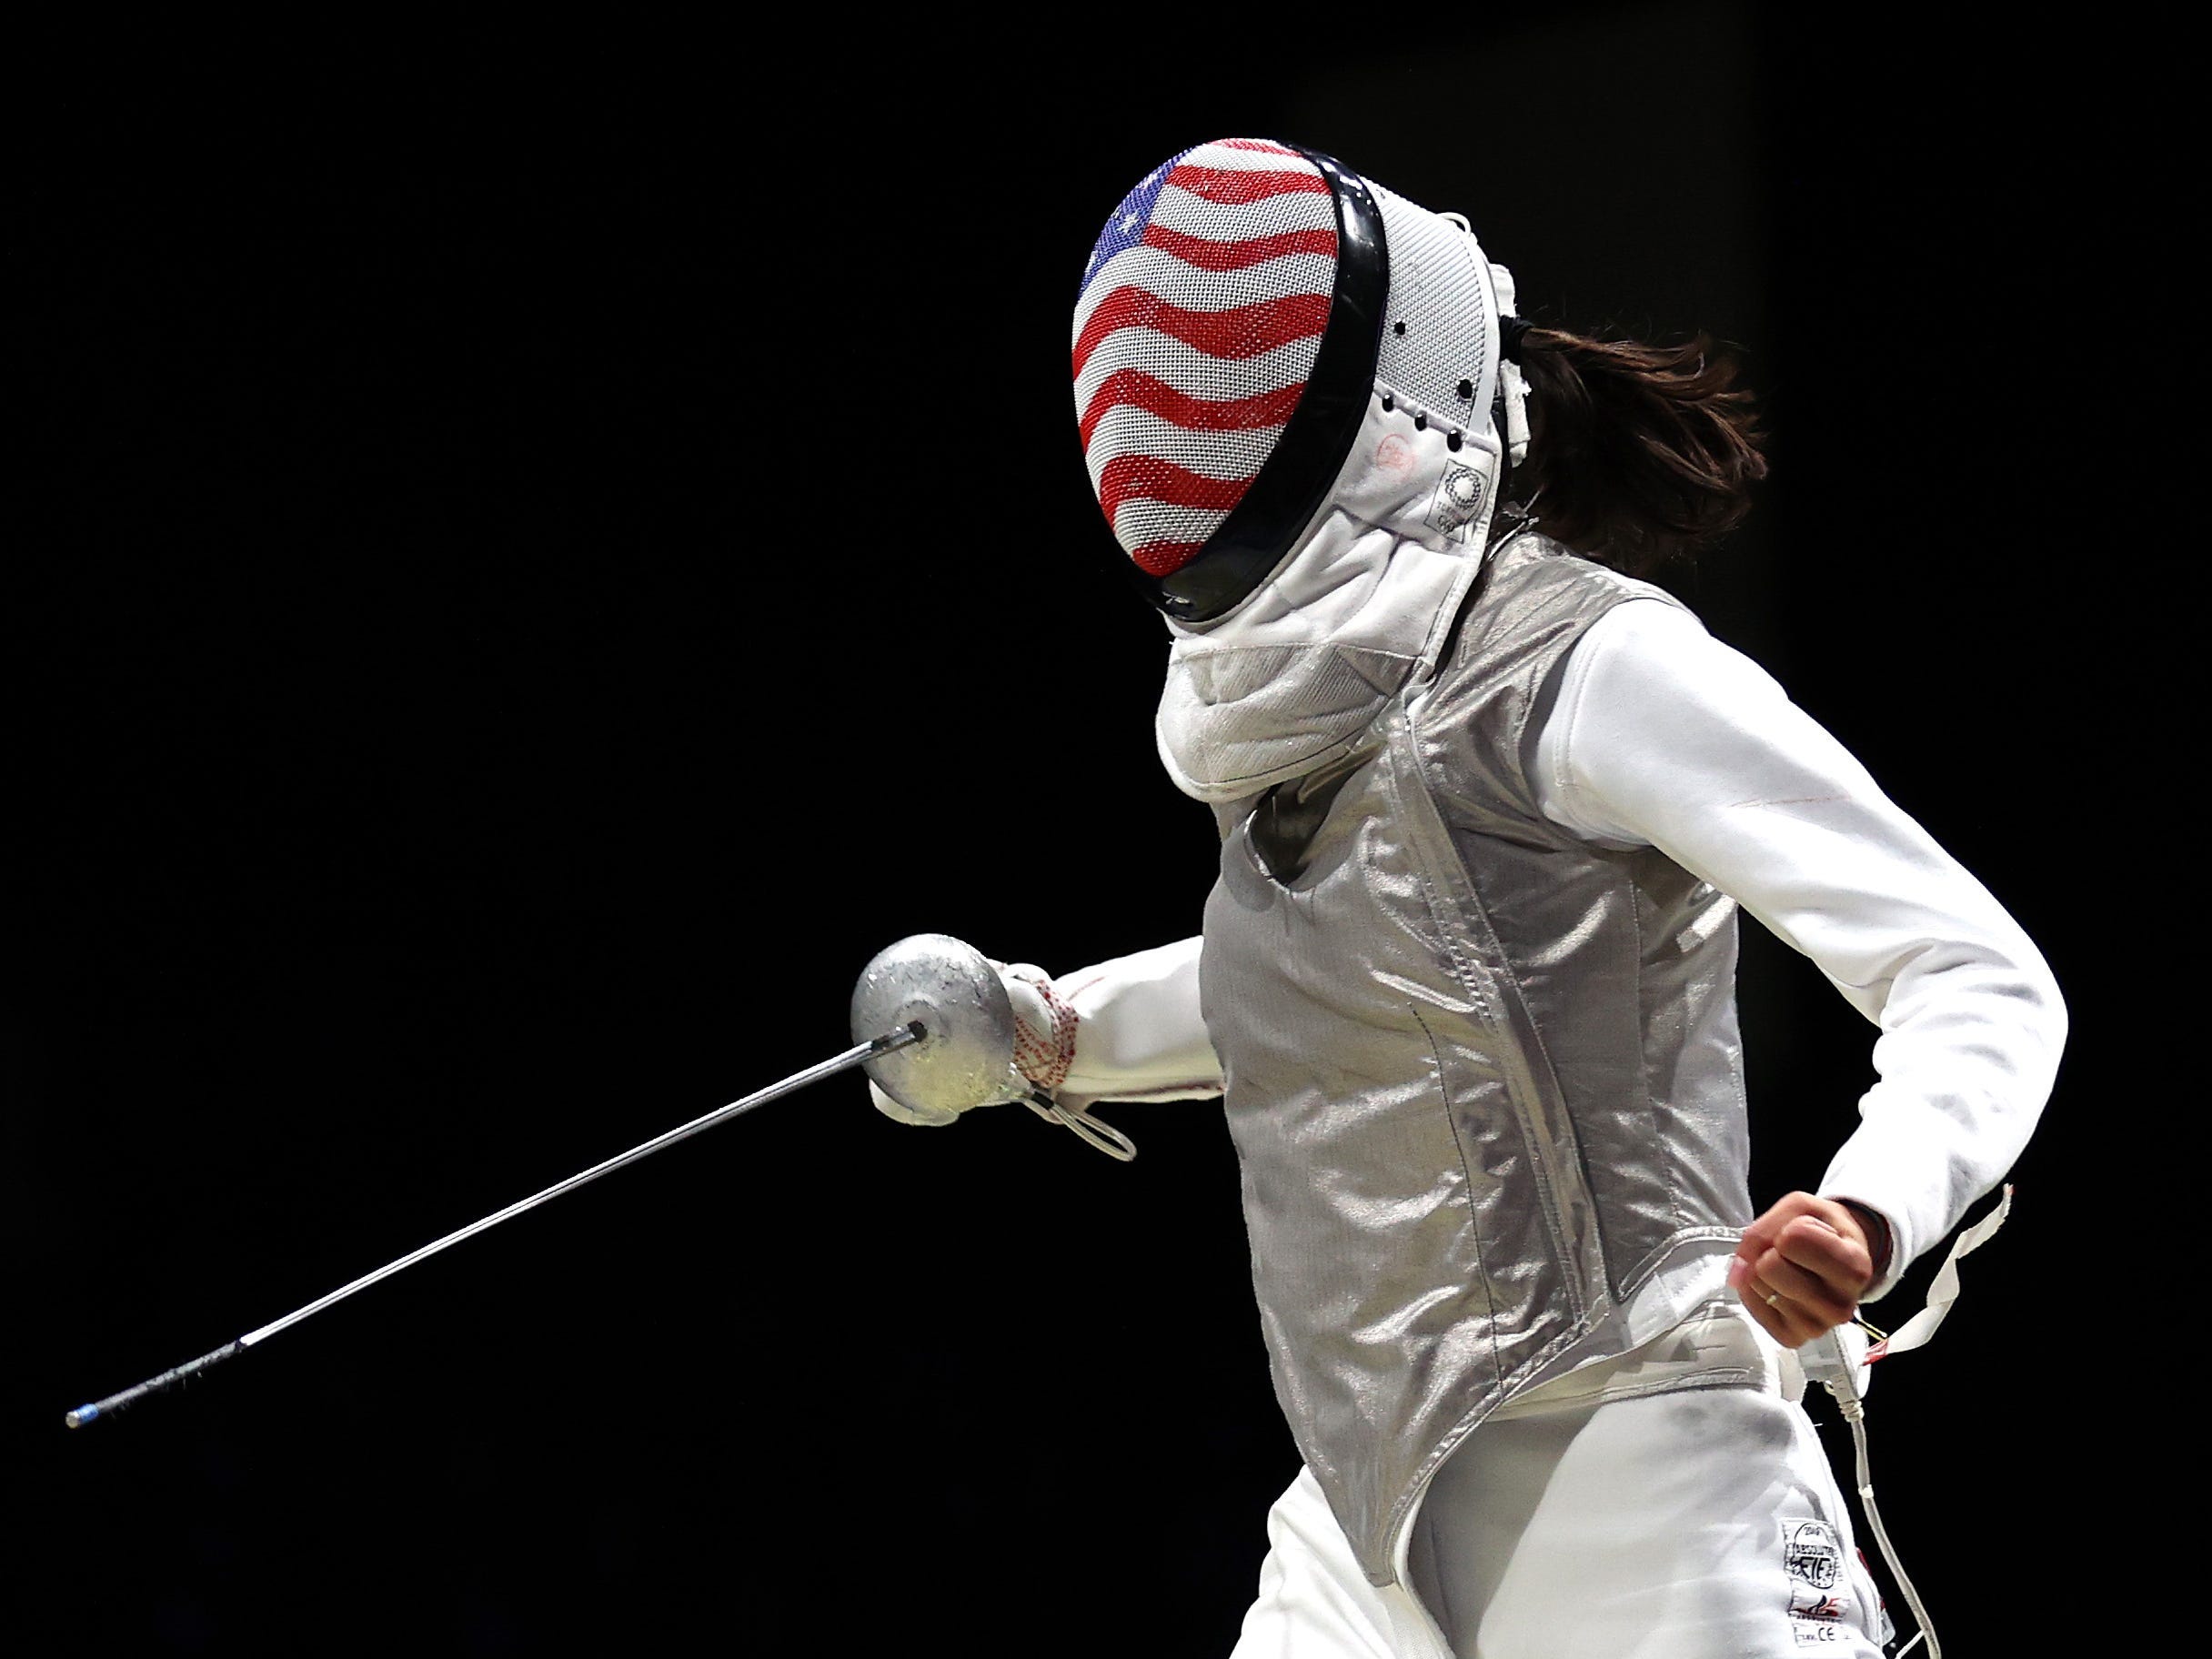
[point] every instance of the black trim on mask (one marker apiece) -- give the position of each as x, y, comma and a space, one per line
1296, 479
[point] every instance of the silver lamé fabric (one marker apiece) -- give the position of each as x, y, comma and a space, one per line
1483, 1079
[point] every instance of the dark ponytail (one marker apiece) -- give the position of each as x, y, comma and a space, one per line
1637, 454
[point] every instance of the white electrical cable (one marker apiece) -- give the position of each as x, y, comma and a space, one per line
1841, 1383
1847, 1397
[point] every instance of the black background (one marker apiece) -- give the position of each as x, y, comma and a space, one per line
535, 558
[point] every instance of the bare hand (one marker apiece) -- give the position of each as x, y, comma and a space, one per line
1803, 1266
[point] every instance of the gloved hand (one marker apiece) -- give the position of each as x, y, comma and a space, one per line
1044, 1046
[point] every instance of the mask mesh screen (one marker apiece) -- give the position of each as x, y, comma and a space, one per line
1200, 314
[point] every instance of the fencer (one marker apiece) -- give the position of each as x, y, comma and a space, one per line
1489, 802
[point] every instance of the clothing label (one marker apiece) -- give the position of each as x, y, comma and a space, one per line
1805, 1632
1820, 1600
1812, 1556
1458, 498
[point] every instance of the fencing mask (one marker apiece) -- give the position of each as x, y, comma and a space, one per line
1248, 312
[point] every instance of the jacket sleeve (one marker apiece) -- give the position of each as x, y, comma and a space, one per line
1138, 1034
1658, 734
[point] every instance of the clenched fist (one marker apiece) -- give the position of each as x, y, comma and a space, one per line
1803, 1266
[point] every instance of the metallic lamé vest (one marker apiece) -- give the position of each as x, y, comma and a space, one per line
1483, 1077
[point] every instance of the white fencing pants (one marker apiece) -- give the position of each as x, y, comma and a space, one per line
1700, 1524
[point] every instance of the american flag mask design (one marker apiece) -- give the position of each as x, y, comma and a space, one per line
1200, 314
1229, 336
